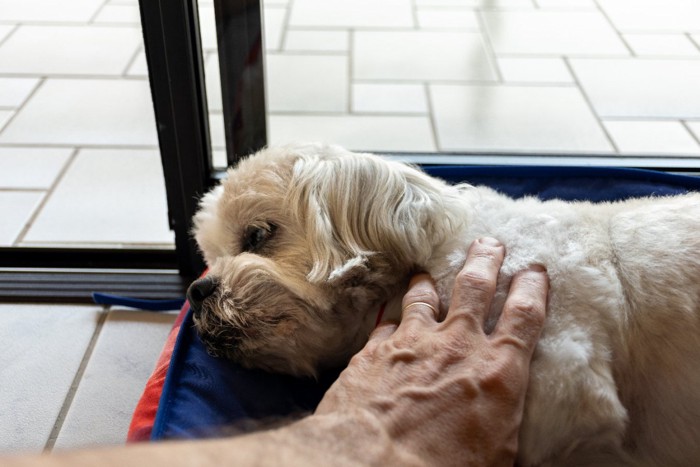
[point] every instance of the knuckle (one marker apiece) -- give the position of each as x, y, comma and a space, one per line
474, 280
529, 311
420, 295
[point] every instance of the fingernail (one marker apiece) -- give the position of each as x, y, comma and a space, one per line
489, 241
537, 268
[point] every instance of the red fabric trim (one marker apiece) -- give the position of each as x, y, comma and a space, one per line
145, 411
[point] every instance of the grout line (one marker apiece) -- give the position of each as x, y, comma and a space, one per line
488, 45
285, 26
431, 116
131, 62
591, 107
92, 19
695, 137
693, 41
10, 34
614, 28
37, 211
23, 104
68, 401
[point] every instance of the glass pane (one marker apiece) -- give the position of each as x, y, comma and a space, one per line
524, 78
79, 159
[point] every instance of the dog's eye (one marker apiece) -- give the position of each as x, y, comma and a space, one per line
255, 237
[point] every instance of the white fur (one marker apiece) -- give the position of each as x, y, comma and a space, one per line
615, 376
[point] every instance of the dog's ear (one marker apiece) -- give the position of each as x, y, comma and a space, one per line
358, 205
351, 273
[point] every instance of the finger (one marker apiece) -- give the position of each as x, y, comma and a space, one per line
421, 302
475, 284
524, 311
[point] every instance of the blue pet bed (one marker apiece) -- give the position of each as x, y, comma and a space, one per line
205, 396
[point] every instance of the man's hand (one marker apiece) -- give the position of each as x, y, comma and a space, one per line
446, 393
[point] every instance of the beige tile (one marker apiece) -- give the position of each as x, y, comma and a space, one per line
476, 3
84, 112
534, 70
307, 83
16, 208
653, 15
641, 88
216, 130
43, 346
413, 55
515, 118
566, 4
34, 168
317, 41
662, 44
358, 13
548, 32
13, 91
109, 197
207, 27
398, 98
652, 137
69, 50
368, 133
49, 10
123, 358
447, 18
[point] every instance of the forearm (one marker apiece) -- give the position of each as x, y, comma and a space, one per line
317, 440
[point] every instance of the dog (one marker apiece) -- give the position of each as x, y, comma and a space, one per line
305, 243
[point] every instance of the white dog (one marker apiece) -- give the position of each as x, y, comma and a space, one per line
305, 243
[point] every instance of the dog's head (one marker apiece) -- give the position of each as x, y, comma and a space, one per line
304, 243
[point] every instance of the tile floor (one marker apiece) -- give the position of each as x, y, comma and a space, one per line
79, 162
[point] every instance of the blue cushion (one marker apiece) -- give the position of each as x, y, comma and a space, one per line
205, 396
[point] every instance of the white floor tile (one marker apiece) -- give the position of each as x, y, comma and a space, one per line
16, 207
34, 168
317, 41
307, 83
212, 79
123, 358
5, 30
216, 130
5, 116
13, 91
49, 10
695, 128
119, 14
420, 55
358, 13
82, 111
107, 196
273, 25
70, 50
476, 3
552, 33
207, 27
662, 44
654, 15
652, 137
534, 70
452, 18
515, 118
362, 133
407, 98
565, 3
641, 88
43, 346
139, 67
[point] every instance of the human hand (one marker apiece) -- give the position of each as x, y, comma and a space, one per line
446, 393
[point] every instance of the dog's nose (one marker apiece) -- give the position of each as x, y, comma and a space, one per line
199, 290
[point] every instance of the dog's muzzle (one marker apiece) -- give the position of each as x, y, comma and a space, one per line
200, 290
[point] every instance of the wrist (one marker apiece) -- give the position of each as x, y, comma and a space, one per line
352, 438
